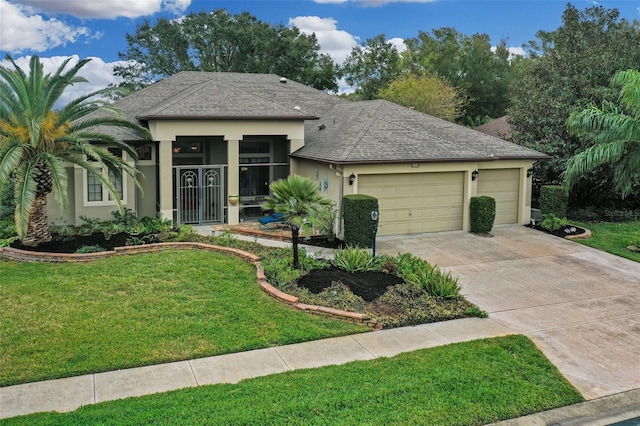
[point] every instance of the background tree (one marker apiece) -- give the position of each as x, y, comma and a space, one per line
35, 141
299, 200
370, 67
428, 94
221, 42
617, 130
472, 64
568, 69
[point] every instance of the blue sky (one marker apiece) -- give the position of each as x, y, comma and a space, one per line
55, 29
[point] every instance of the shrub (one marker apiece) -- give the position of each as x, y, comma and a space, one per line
482, 214
553, 200
553, 223
353, 259
635, 239
358, 226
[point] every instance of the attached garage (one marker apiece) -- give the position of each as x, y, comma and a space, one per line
412, 203
503, 185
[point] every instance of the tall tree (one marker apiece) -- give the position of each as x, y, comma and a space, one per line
471, 64
36, 141
568, 69
617, 130
222, 42
431, 95
371, 67
300, 201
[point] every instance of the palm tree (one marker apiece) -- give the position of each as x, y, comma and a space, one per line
299, 200
617, 129
36, 141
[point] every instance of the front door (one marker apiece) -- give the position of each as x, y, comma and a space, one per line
199, 194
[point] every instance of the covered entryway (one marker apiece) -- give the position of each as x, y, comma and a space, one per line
416, 202
199, 194
502, 185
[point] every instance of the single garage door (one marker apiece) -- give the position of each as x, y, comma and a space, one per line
412, 203
504, 186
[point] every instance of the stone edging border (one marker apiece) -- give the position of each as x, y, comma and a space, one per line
585, 234
11, 253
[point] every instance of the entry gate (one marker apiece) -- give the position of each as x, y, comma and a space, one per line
199, 194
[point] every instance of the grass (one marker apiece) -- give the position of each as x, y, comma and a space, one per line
470, 383
612, 237
61, 320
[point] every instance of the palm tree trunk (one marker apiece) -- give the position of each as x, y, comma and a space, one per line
38, 230
295, 232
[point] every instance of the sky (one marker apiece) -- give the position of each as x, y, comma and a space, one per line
58, 29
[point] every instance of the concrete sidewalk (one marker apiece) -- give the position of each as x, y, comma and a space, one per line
71, 393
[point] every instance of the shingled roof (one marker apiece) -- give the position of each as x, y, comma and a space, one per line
336, 130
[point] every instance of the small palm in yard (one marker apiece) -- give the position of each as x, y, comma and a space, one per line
36, 141
299, 200
617, 130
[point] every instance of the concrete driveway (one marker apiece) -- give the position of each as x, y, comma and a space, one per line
579, 305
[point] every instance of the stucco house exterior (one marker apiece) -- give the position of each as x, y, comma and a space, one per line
222, 134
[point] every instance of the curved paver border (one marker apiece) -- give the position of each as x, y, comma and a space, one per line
11, 253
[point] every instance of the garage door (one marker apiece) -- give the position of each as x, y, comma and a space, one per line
503, 185
416, 202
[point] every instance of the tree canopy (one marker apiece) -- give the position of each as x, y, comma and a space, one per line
568, 69
36, 141
617, 129
221, 42
431, 95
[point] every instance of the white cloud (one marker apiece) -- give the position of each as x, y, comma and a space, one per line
98, 73
21, 31
106, 9
398, 43
337, 43
513, 51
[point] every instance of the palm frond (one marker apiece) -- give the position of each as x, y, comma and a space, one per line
60, 179
24, 196
10, 157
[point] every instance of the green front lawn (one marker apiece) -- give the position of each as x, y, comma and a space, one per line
612, 237
471, 383
60, 320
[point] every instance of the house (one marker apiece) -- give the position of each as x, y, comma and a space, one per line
218, 135
500, 127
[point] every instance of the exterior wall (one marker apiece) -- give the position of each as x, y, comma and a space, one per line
57, 216
307, 168
146, 198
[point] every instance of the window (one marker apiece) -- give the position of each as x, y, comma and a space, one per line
95, 193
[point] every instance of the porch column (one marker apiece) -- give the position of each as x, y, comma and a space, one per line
233, 180
165, 173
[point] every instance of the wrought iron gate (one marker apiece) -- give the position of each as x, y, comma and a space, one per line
200, 194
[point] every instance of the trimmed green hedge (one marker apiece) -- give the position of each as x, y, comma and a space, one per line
553, 200
358, 226
483, 214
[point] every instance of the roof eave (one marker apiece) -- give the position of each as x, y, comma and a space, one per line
424, 160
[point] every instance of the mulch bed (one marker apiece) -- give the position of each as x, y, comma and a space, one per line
368, 285
562, 233
69, 244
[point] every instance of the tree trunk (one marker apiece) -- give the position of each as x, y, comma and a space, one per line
295, 232
38, 230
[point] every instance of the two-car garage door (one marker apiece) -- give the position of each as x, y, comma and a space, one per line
430, 202
416, 202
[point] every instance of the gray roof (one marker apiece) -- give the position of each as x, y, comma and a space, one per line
352, 132
381, 131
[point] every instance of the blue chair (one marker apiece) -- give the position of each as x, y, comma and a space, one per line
277, 218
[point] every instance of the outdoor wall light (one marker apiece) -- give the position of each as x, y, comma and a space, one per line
352, 179
529, 172
474, 175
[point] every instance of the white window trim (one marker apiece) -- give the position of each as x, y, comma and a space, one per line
105, 193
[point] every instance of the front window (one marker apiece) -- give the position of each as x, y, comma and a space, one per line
95, 192
262, 160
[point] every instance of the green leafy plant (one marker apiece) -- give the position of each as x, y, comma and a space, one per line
482, 214
553, 200
90, 249
552, 223
6, 242
353, 259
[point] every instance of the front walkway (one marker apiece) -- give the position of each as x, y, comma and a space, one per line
579, 305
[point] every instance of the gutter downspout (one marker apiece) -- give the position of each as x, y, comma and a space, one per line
340, 171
